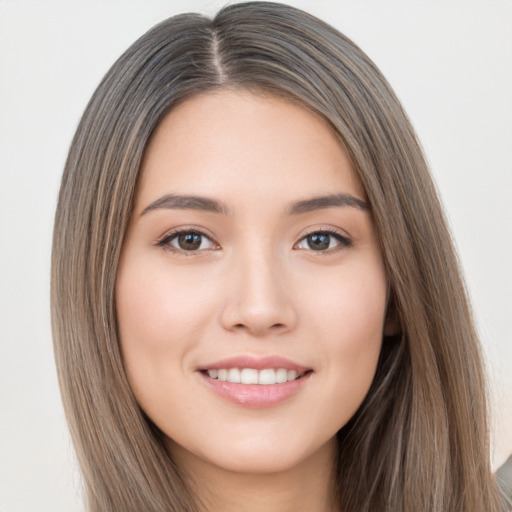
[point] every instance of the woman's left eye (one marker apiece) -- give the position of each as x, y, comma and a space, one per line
323, 241
188, 241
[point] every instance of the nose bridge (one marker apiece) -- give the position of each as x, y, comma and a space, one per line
258, 299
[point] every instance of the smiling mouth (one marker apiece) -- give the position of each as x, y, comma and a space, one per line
256, 382
264, 377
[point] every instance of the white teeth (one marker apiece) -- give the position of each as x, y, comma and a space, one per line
292, 374
281, 375
251, 376
267, 377
233, 375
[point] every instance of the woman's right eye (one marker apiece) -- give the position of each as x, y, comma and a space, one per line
187, 241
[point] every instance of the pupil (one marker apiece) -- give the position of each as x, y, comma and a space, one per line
189, 241
319, 241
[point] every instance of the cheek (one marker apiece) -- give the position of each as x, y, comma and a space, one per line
349, 322
157, 308
351, 308
160, 318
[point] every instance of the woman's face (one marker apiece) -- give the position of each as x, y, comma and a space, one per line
251, 255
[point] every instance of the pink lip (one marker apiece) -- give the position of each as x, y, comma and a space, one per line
257, 363
255, 395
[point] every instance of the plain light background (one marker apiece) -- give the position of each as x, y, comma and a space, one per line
450, 62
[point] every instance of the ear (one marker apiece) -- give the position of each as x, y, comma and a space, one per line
392, 325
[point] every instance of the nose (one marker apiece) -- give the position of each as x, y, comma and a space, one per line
257, 298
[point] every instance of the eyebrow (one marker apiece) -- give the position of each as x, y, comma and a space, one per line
329, 201
188, 202
180, 202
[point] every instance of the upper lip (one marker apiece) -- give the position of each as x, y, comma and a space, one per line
255, 362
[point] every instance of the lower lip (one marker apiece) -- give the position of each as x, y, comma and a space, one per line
256, 396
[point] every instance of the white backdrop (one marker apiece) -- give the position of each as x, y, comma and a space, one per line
449, 61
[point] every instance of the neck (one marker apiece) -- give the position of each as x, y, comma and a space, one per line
306, 486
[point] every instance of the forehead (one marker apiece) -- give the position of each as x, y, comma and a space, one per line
239, 142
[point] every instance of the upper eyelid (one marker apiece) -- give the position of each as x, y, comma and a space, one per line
344, 239
328, 229
169, 235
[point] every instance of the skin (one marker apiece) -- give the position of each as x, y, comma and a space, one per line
254, 287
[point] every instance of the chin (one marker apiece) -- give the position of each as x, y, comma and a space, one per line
257, 463
255, 455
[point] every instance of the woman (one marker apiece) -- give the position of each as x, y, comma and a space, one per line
256, 303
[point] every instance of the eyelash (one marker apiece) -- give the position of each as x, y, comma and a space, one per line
169, 237
344, 241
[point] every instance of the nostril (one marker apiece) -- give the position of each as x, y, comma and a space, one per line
273, 327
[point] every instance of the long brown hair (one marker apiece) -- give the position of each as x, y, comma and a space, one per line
419, 442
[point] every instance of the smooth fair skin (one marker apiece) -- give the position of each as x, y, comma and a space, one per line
267, 268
